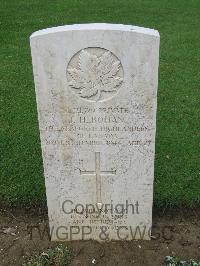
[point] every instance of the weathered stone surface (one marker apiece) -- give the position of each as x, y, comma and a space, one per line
96, 87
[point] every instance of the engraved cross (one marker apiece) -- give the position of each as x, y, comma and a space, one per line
98, 174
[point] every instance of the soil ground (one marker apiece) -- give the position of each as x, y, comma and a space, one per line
176, 232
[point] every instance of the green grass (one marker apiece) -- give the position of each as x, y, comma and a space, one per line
57, 256
177, 173
174, 261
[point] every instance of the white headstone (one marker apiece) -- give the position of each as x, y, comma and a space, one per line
96, 87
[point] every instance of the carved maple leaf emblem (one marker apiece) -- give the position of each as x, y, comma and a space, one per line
95, 75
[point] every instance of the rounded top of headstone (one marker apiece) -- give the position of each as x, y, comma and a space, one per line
96, 26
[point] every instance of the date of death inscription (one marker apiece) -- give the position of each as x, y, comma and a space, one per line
110, 127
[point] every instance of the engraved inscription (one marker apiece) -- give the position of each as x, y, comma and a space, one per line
96, 126
95, 74
98, 174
